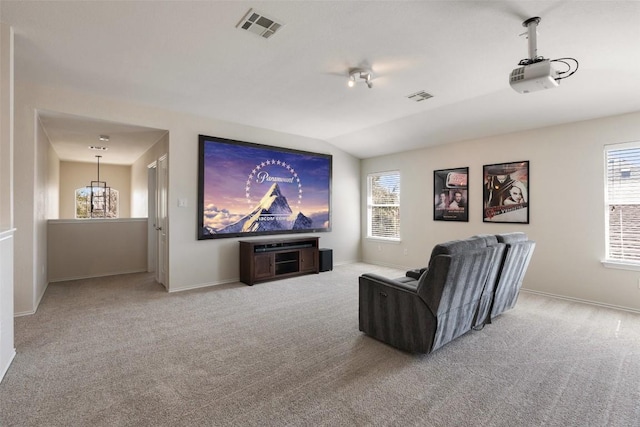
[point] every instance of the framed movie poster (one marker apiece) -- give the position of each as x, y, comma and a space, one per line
506, 192
450, 195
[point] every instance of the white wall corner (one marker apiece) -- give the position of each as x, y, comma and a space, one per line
8, 364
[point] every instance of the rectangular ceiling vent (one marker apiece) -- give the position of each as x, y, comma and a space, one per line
420, 96
257, 23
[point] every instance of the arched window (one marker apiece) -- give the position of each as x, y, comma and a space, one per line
105, 203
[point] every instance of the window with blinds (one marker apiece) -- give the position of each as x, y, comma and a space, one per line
383, 205
83, 204
623, 203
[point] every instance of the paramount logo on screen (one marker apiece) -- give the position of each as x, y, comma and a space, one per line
264, 176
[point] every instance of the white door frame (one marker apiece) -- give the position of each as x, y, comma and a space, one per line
157, 223
152, 201
162, 220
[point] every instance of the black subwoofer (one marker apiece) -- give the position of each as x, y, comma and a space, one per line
326, 259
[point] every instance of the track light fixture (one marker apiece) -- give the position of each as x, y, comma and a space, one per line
360, 73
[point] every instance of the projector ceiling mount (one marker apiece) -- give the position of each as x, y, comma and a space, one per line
532, 37
536, 72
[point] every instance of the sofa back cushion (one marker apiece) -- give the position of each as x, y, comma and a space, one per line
452, 286
453, 247
516, 261
510, 238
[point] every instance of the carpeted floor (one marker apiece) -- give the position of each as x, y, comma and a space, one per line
120, 351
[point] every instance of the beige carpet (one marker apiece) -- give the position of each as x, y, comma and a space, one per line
120, 351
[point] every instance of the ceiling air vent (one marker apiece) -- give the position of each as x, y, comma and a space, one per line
257, 23
419, 96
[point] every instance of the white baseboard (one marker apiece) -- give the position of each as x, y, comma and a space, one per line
6, 368
93, 276
35, 309
204, 285
40, 297
24, 313
388, 265
335, 264
234, 280
580, 300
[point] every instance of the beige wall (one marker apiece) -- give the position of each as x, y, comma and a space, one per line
78, 249
567, 208
192, 263
30, 240
141, 194
53, 184
7, 350
140, 176
568, 225
74, 175
567, 205
42, 202
6, 127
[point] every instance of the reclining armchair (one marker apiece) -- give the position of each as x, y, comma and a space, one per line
443, 303
518, 253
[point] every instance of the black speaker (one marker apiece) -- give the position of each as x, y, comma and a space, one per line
326, 259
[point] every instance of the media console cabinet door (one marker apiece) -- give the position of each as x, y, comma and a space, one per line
308, 260
263, 266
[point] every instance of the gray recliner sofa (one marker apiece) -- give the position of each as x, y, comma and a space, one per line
518, 252
424, 314
466, 284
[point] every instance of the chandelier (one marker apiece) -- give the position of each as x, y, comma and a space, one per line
100, 197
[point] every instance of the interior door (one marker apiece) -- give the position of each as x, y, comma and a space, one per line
152, 235
161, 221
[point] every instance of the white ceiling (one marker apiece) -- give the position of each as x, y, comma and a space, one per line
72, 136
189, 56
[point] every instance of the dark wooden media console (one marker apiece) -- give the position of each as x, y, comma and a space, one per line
263, 260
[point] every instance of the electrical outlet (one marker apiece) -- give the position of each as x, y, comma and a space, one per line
406, 252
638, 283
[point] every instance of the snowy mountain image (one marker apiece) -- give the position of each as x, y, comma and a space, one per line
273, 213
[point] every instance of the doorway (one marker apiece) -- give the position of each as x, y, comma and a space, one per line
157, 220
152, 237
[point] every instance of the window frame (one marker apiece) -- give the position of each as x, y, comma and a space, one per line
612, 261
371, 205
115, 209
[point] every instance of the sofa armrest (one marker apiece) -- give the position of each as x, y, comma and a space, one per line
390, 310
410, 286
416, 273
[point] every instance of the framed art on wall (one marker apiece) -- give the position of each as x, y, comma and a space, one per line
506, 192
450, 195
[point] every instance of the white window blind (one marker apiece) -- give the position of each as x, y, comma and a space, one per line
383, 205
623, 204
